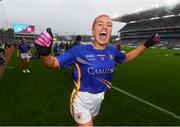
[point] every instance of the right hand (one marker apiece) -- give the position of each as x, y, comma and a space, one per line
43, 42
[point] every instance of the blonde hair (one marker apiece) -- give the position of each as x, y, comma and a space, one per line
103, 15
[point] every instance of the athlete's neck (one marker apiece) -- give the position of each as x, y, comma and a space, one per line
98, 46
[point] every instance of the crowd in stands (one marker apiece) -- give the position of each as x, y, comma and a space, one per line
168, 28
2, 54
165, 43
152, 24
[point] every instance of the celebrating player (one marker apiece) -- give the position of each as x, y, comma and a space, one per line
94, 67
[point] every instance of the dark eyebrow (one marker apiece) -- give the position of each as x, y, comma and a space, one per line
109, 22
99, 22
102, 22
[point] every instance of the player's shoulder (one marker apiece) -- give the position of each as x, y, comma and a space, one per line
81, 47
111, 48
19, 45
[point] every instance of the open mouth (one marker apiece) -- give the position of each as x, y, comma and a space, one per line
103, 36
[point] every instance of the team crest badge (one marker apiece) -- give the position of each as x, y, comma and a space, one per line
111, 57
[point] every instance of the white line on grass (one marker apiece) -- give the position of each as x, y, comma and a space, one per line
148, 103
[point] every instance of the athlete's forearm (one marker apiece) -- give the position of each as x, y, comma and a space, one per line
134, 53
50, 61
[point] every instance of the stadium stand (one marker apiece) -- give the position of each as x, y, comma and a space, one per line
6, 36
29, 37
163, 20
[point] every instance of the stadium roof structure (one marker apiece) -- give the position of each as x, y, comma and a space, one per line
153, 13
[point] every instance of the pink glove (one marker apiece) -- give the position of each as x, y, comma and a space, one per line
44, 39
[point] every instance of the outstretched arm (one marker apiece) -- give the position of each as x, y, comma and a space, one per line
140, 49
134, 53
50, 61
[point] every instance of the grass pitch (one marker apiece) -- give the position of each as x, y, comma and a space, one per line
42, 97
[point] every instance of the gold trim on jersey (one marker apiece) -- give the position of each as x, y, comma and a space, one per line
83, 61
78, 83
106, 82
74, 95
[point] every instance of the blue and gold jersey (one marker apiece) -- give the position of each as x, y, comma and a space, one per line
93, 69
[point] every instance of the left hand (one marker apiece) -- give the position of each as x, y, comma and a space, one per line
154, 39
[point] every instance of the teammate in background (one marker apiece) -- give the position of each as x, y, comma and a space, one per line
2, 54
56, 49
2, 59
2, 48
94, 67
77, 41
120, 48
23, 50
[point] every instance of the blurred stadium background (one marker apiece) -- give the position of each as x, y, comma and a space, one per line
164, 20
153, 77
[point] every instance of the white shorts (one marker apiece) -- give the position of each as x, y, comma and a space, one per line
85, 105
25, 55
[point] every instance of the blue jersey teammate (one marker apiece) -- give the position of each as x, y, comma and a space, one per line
57, 49
23, 50
94, 67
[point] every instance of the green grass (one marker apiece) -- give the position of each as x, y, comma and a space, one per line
34, 99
